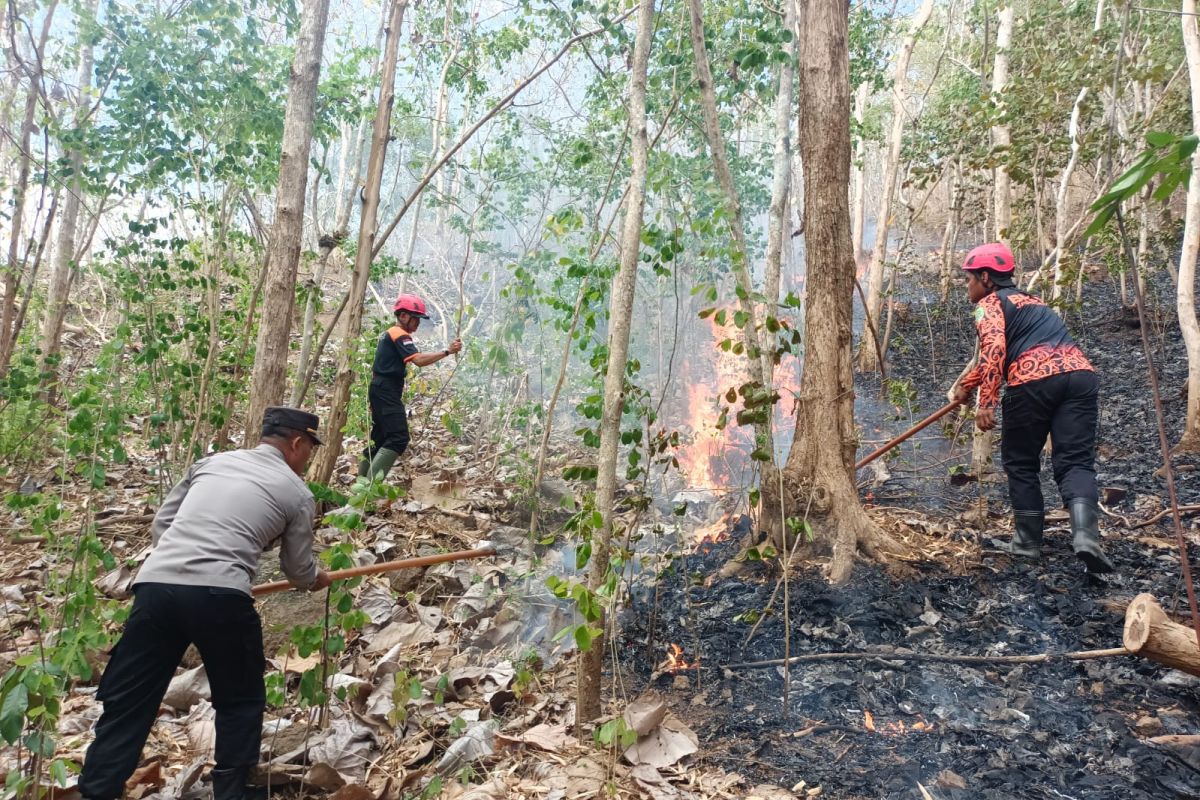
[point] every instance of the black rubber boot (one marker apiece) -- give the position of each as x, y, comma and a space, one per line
1085, 524
1027, 534
230, 784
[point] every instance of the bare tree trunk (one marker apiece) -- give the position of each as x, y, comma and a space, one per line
817, 483
858, 175
587, 706
437, 135
269, 379
781, 180
65, 255
950, 234
868, 359
349, 172
347, 187
322, 468
1061, 223
1185, 293
9, 330
760, 361
1000, 131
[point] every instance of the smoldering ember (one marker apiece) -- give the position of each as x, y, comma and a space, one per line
672, 400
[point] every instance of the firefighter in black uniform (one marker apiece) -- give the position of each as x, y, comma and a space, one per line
1052, 391
393, 354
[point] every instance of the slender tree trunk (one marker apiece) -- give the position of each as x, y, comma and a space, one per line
817, 481
858, 172
437, 135
322, 468
269, 379
760, 361
65, 267
1185, 294
349, 173
15, 267
950, 234
781, 180
1061, 223
1000, 131
621, 311
868, 359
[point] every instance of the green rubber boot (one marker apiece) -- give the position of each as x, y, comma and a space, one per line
381, 465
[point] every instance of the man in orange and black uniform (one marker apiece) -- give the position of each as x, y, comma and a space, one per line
1052, 390
393, 354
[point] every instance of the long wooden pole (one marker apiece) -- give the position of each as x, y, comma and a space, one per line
908, 434
386, 566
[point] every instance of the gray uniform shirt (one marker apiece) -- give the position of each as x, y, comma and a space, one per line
216, 522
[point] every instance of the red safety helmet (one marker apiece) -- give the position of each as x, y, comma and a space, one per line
412, 304
995, 256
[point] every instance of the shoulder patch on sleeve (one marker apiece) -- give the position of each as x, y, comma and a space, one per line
980, 313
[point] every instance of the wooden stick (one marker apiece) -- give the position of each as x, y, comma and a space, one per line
1078, 655
908, 434
387, 566
1150, 632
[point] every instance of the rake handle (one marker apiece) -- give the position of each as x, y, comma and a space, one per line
386, 566
908, 434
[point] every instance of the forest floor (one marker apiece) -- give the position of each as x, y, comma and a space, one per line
458, 682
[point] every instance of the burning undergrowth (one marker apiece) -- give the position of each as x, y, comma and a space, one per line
893, 728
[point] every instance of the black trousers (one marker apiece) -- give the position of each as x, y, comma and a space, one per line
166, 618
1065, 407
389, 420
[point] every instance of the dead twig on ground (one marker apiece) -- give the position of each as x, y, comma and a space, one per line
1192, 509
1037, 658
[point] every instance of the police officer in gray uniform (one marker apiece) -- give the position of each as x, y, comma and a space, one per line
194, 588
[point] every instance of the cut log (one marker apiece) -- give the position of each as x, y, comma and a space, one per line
1149, 632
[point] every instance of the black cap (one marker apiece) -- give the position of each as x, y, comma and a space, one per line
294, 419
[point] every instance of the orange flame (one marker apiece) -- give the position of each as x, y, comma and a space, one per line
710, 374
897, 728
675, 662
711, 534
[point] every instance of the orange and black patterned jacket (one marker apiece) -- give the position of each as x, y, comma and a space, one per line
1020, 340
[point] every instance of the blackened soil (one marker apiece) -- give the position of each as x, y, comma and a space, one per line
1048, 730
1062, 729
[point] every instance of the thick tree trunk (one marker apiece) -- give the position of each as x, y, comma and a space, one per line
269, 379
858, 172
322, 468
1000, 131
868, 358
65, 267
1185, 294
760, 361
817, 481
587, 706
781, 178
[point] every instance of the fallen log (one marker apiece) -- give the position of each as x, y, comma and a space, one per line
1150, 633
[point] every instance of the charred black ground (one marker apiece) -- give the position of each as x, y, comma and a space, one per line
1055, 730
